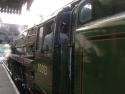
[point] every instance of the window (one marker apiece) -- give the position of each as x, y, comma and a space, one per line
48, 38
40, 42
85, 12
41, 32
30, 50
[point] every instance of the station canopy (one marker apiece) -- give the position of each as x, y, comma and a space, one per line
14, 6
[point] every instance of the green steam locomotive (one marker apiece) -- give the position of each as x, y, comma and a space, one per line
79, 50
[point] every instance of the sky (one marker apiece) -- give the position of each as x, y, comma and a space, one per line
38, 8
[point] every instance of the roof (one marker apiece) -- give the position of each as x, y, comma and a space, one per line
13, 6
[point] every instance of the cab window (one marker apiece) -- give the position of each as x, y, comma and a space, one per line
47, 44
40, 42
85, 13
31, 41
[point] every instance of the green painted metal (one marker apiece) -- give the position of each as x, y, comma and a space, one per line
99, 60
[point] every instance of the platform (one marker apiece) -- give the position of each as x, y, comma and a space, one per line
7, 86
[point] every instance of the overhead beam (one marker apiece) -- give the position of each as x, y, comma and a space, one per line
14, 6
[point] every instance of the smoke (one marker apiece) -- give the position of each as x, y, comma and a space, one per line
10, 32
